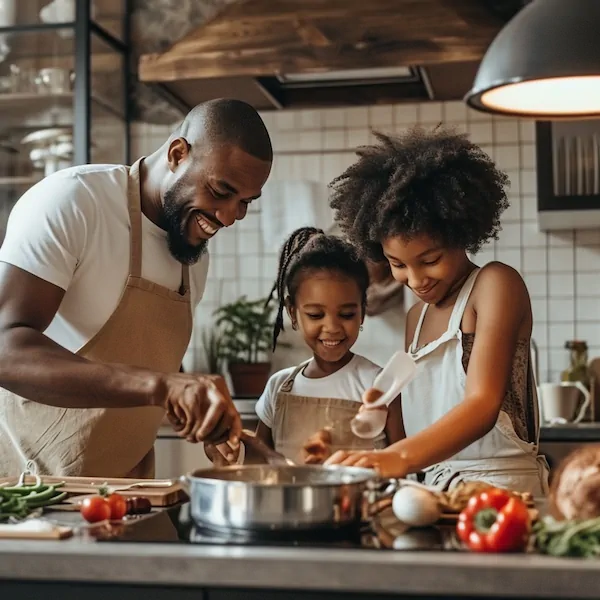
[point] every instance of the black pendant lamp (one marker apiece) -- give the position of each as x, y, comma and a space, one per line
544, 64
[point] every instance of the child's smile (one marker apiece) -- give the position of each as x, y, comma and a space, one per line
328, 312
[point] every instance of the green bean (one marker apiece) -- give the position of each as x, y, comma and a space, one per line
42, 495
48, 502
20, 500
25, 489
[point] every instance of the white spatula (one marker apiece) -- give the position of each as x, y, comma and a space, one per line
397, 373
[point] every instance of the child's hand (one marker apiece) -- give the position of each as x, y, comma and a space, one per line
388, 463
369, 396
221, 455
318, 447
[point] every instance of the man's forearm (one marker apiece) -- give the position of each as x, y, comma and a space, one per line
35, 367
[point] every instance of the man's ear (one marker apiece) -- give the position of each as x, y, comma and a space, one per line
179, 150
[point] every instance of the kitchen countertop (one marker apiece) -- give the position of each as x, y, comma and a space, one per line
369, 571
581, 432
284, 573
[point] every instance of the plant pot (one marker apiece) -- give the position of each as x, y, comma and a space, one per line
249, 379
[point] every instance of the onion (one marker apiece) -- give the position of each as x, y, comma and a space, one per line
575, 489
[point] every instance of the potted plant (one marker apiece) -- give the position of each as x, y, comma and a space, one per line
246, 329
211, 341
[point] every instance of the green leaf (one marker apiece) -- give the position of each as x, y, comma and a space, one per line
245, 329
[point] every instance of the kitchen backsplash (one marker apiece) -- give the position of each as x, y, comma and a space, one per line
561, 269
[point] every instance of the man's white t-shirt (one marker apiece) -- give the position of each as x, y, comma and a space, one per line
349, 383
72, 229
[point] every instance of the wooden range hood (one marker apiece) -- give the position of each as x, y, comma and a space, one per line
250, 47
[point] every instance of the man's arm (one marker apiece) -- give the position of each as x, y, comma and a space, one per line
47, 234
37, 368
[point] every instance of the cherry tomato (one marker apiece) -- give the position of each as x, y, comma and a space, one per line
118, 506
95, 509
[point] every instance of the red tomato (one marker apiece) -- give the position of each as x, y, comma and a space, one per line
118, 506
95, 509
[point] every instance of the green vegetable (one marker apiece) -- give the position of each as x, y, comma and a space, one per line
568, 538
20, 500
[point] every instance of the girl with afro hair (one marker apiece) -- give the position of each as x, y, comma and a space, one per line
424, 202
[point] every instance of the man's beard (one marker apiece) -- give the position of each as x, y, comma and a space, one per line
175, 223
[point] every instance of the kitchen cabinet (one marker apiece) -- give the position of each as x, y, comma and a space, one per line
175, 457
64, 74
568, 174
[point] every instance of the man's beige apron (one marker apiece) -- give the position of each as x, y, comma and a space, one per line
150, 328
297, 418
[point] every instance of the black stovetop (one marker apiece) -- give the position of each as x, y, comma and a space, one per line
175, 526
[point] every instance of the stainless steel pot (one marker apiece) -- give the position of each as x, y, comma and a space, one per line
279, 497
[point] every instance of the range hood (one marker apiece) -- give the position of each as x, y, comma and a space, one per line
278, 54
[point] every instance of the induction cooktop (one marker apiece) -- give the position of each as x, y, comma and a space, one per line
175, 526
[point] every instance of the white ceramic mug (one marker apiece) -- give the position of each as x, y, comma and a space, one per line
561, 402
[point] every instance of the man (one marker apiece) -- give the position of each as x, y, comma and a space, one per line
100, 272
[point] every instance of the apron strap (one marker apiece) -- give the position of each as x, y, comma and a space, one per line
461, 302
134, 206
287, 385
415, 340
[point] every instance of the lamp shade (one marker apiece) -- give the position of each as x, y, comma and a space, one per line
545, 63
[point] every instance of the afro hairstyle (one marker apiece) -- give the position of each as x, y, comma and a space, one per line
435, 183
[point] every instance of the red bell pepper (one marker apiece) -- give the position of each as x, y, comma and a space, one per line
494, 521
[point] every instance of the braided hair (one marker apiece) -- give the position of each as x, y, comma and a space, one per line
308, 250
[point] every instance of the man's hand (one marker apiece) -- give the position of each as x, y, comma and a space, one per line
200, 408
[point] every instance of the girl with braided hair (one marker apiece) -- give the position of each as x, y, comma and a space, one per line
322, 284
423, 202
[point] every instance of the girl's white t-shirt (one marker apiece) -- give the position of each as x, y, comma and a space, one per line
349, 383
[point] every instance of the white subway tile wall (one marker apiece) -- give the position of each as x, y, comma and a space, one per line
561, 269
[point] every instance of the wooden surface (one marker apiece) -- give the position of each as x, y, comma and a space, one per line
89, 485
266, 37
58, 533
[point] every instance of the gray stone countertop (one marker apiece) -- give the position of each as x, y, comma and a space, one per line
580, 432
451, 574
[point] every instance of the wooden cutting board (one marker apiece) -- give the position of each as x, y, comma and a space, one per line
165, 496
57, 533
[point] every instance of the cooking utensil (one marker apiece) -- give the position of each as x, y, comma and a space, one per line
283, 497
397, 373
256, 445
167, 483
